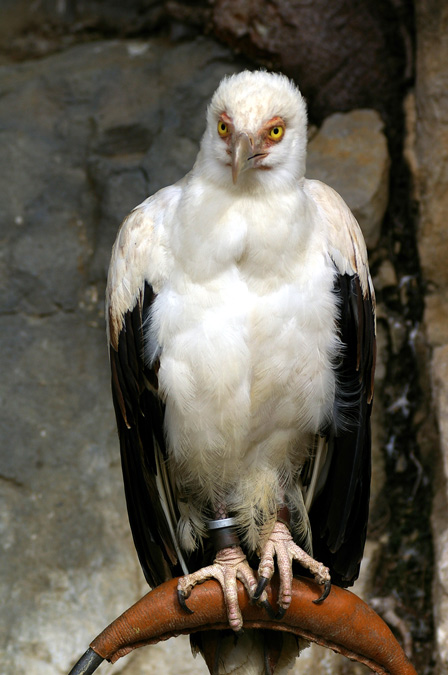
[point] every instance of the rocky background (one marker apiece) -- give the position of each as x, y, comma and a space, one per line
101, 104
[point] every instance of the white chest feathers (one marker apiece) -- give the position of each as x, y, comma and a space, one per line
245, 331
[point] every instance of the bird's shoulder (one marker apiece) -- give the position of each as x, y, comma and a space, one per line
139, 255
346, 245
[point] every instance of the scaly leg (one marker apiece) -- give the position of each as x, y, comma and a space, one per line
280, 543
229, 565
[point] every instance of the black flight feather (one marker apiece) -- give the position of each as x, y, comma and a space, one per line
339, 513
140, 418
140, 430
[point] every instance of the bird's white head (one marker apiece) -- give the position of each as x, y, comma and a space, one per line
256, 132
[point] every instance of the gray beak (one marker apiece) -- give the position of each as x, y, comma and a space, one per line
243, 149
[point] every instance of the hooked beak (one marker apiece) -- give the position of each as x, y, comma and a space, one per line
242, 151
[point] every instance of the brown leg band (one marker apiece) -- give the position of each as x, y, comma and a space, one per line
284, 516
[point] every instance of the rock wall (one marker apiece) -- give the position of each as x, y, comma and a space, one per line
88, 128
429, 159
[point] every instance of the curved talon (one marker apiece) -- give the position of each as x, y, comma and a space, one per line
181, 598
268, 607
262, 583
325, 594
229, 566
280, 614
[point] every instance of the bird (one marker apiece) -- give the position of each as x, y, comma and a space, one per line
241, 327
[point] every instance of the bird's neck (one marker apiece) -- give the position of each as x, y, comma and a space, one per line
217, 228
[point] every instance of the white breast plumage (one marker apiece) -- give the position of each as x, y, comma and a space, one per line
247, 351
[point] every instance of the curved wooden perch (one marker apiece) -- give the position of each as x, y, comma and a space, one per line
343, 623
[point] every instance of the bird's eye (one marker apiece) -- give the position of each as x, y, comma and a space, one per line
223, 128
276, 133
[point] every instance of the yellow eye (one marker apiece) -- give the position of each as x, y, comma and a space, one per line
276, 133
223, 128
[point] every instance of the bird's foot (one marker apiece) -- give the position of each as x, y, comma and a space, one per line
281, 545
230, 564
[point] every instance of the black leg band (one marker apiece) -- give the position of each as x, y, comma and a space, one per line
223, 533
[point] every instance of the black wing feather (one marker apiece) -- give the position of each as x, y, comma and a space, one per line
339, 513
140, 415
